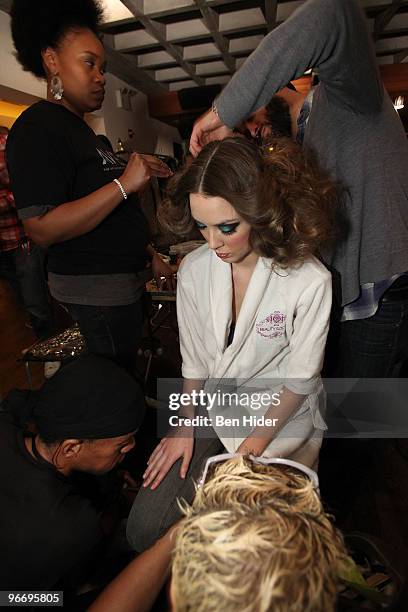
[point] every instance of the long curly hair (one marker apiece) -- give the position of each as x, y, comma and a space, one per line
38, 25
289, 202
256, 539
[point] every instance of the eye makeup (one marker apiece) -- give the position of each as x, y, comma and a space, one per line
228, 228
225, 228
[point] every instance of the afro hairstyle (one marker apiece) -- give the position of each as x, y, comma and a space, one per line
38, 25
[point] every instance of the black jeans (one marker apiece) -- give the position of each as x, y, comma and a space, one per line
366, 348
111, 331
24, 269
373, 347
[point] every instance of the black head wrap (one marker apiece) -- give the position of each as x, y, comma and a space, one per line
90, 398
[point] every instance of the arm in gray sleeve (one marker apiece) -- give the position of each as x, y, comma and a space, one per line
328, 35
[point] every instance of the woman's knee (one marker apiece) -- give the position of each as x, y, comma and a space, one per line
141, 530
154, 512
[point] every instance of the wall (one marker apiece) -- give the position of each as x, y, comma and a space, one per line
11, 73
9, 113
150, 135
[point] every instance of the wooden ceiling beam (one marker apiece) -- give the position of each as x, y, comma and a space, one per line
5, 5
384, 18
122, 67
158, 31
271, 12
400, 56
211, 20
180, 10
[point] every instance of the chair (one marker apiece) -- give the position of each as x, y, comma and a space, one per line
64, 346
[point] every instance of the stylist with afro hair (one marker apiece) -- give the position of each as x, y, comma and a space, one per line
72, 196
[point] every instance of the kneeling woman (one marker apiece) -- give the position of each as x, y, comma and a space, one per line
253, 306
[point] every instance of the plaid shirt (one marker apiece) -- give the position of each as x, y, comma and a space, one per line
11, 230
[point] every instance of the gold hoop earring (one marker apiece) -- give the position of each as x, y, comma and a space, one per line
56, 87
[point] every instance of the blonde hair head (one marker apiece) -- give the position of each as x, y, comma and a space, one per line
256, 539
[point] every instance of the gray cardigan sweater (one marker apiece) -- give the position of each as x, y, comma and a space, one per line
353, 128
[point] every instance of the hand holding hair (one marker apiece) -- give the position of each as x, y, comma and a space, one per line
139, 170
206, 123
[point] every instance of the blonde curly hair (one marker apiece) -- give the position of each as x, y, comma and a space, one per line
256, 539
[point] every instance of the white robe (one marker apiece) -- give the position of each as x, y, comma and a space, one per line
279, 338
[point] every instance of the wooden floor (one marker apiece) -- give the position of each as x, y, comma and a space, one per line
14, 337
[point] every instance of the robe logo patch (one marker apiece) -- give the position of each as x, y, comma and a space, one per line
273, 326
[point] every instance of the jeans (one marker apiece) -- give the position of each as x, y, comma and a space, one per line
111, 331
371, 348
154, 512
365, 348
24, 269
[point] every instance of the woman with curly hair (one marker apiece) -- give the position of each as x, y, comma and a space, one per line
73, 196
253, 312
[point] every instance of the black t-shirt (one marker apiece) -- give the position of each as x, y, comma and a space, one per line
54, 157
48, 529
